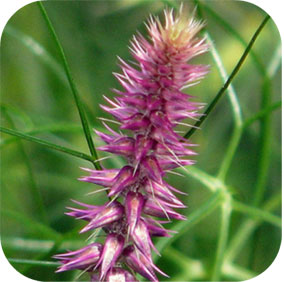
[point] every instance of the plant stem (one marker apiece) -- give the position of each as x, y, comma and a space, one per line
258, 213
247, 228
73, 87
223, 238
207, 180
262, 113
34, 262
237, 272
237, 114
264, 146
225, 25
49, 128
47, 144
229, 80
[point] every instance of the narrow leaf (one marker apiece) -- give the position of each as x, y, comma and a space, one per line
47, 144
229, 80
72, 86
34, 262
48, 128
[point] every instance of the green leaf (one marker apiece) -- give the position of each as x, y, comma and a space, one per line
16, 112
47, 144
236, 110
247, 228
222, 241
264, 145
224, 24
40, 246
257, 213
48, 128
73, 87
33, 262
229, 80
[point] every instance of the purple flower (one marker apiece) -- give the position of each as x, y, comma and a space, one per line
142, 239
137, 261
134, 204
85, 258
148, 109
111, 251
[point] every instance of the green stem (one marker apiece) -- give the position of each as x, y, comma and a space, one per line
247, 228
73, 87
49, 128
207, 180
229, 80
224, 24
230, 152
264, 146
34, 262
275, 62
261, 114
237, 114
47, 144
258, 213
237, 272
222, 240
193, 269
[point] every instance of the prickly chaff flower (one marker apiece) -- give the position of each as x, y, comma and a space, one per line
148, 109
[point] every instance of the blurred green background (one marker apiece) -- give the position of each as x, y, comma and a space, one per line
37, 183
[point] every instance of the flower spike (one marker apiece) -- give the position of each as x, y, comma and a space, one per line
147, 111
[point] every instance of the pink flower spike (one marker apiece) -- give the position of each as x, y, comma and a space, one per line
151, 111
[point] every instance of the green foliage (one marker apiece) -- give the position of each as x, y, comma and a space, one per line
233, 231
